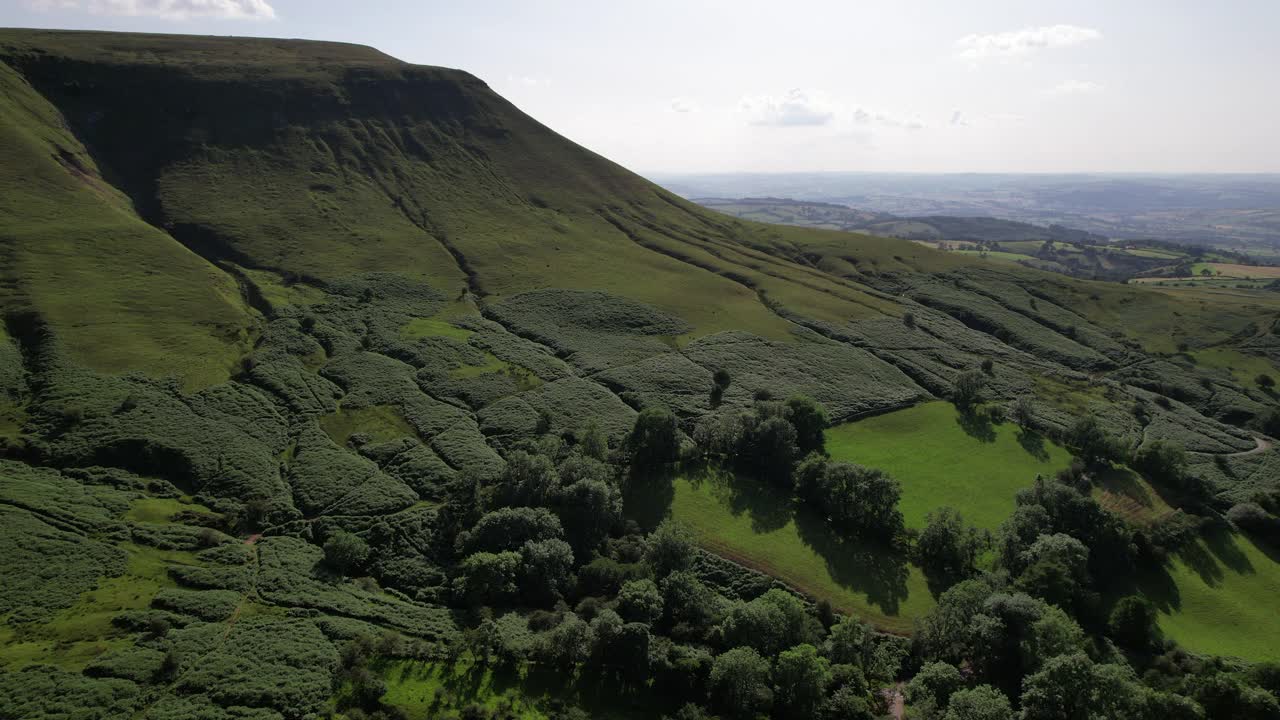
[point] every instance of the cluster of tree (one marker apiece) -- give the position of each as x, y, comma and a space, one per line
767, 440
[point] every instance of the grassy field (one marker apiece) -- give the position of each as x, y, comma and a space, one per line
943, 459
754, 525
429, 690
380, 422
162, 510
432, 327
1233, 270
75, 636
1218, 597
1244, 368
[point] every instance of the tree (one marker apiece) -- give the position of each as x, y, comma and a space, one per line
588, 510
1023, 411
966, 390
654, 439
486, 578
593, 441
687, 601
1133, 623
948, 549
720, 378
1091, 442
1161, 461
509, 529
769, 623
740, 682
988, 366
981, 703
810, 420
1265, 381
1057, 570
640, 601
547, 570
860, 501
670, 548
800, 678
529, 479
1071, 686
345, 552
909, 319
772, 451
931, 689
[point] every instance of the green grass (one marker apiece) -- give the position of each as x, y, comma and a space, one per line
141, 301
75, 636
1219, 597
942, 459
994, 255
749, 523
278, 293
430, 690
380, 422
1243, 367
161, 510
431, 327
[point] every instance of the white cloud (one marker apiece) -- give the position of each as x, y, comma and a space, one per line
1075, 87
795, 108
167, 9
681, 105
864, 117
1024, 41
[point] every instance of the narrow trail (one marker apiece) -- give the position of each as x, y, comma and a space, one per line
1264, 444
895, 701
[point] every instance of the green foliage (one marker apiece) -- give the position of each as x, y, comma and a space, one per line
1133, 623
932, 687
509, 529
862, 502
670, 548
800, 679
810, 421
980, 703
948, 549
654, 440
966, 390
345, 552
769, 623
740, 682
486, 578
640, 601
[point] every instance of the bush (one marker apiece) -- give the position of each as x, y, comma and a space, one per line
810, 420
966, 391
345, 552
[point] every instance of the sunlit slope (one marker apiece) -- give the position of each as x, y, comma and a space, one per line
121, 294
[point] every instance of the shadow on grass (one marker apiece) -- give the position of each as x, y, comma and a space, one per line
861, 566
976, 424
647, 497
1033, 443
1124, 482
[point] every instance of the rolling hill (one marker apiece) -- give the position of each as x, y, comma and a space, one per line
261, 296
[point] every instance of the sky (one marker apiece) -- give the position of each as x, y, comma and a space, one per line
696, 86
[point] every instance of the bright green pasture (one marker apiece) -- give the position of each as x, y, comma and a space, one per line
1244, 368
1219, 597
943, 458
757, 526
381, 422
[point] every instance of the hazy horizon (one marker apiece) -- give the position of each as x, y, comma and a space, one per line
987, 87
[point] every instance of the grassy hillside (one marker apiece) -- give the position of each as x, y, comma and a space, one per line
124, 294
396, 306
943, 457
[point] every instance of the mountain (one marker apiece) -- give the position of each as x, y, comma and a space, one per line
330, 383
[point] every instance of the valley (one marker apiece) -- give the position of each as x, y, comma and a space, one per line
334, 386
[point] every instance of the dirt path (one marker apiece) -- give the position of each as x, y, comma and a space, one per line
1264, 444
895, 701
